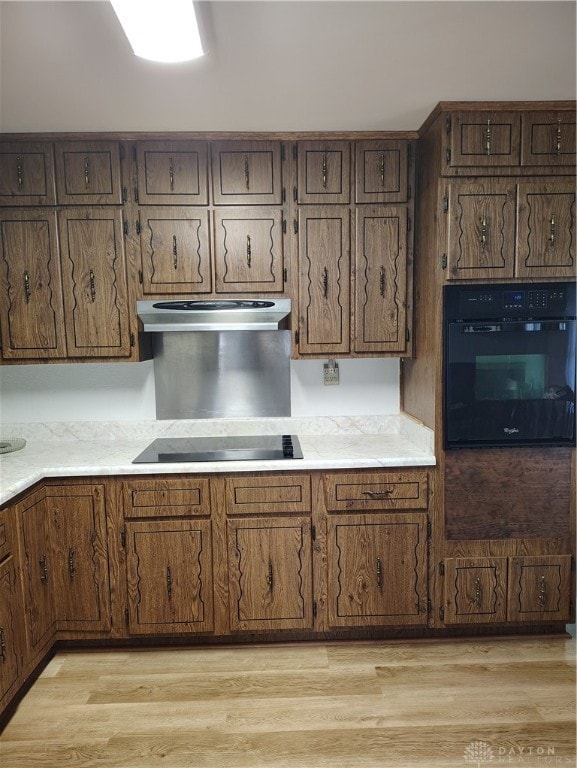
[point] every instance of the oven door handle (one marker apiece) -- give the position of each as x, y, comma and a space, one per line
517, 327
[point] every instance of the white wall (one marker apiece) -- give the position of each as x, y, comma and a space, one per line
125, 391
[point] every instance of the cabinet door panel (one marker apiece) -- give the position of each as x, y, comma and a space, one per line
270, 571
169, 567
248, 250
182, 497
94, 273
324, 286
381, 280
324, 172
31, 311
269, 494
546, 230
377, 570
485, 139
76, 517
540, 588
175, 251
475, 590
246, 172
10, 617
481, 230
378, 491
548, 138
381, 171
88, 173
172, 173
27, 173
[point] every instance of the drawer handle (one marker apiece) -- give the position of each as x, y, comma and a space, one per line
168, 582
43, 570
484, 228
325, 171
325, 283
379, 573
71, 562
382, 168
478, 594
542, 596
488, 138
378, 494
174, 252
20, 172
552, 230
558, 148
248, 251
27, 292
2, 645
92, 283
382, 281
246, 173
86, 172
171, 174
269, 578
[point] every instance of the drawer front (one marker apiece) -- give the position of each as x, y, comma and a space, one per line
166, 498
5, 543
378, 491
266, 495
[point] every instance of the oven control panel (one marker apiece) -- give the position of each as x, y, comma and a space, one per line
470, 302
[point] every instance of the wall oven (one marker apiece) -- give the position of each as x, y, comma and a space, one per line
509, 365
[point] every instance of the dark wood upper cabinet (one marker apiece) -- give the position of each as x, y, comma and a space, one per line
246, 173
480, 139
323, 172
27, 173
172, 172
88, 173
381, 171
548, 138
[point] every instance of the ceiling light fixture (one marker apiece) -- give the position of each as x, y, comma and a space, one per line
160, 30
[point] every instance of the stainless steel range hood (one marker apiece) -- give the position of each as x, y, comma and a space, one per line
214, 315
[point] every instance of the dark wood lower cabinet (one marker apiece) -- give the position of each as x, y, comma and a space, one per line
11, 629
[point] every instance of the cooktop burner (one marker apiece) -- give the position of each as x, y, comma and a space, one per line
172, 450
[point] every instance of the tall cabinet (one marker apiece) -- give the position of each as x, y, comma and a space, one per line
496, 202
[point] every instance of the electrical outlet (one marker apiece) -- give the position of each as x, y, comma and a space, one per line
331, 373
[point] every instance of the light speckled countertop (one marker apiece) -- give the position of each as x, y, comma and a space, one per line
83, 449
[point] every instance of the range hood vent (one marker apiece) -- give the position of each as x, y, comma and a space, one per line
214, 315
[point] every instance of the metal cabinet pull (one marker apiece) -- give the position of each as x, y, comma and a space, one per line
43, 570
19, 172
174, 252
379, 573
542, 596
86, 172
325, 282
382, 168
71, 562
269, 578
171, 173
325, 171
248, 251
92, 280
2, 645
168, 582
488, 138
558, 147
382, 281
478, 594
484, 227
552, 230
27, 292
378, 494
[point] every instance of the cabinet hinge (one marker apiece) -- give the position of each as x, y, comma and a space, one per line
313, 532
137, 226
126, 616
285, 275
284, 226
295, 226
429, 528
123, 538
448, 124
140, 277
441, 568
442, 613
314, 609
125, 228
409, 224
409, 192
136, 194
297, 337
445, 204
429, 606
295, 194
444, 261
407, 334
448, 156
573, 564
124, 195
132, 339
294, 151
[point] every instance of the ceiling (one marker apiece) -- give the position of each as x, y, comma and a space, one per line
281, 66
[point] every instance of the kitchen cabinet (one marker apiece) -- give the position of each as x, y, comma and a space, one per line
88, 173
249, 250
548, 138
475, 590
247, 172
167, 536
539, 588
323, 172
484, 138
382, 171
175, 249
11, 615
27, 175
172, 172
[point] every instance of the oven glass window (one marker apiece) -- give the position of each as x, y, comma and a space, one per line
510, 382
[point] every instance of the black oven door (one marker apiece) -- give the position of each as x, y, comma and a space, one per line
509, 383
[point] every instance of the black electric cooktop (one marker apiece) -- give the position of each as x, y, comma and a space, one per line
173, 450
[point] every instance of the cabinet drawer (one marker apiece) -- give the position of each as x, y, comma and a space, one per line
387, 490
166, 498
5, 542
266, 495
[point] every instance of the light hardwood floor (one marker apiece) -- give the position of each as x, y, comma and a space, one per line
356, 705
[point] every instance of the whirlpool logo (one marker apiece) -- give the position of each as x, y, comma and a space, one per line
510, 430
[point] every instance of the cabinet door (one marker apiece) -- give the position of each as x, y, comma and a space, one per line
481, 230
172, 172
381, 280
246, 173
548, 138
38, 573
324, 284
88, 173
10, 618
377, 570
381, 171
76, 517
324, 172
175, 251
475, 590
248, 245
540, 588
27, 173
270, 573
485, 139
546, 230
31, 310
94, 279
169, 568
